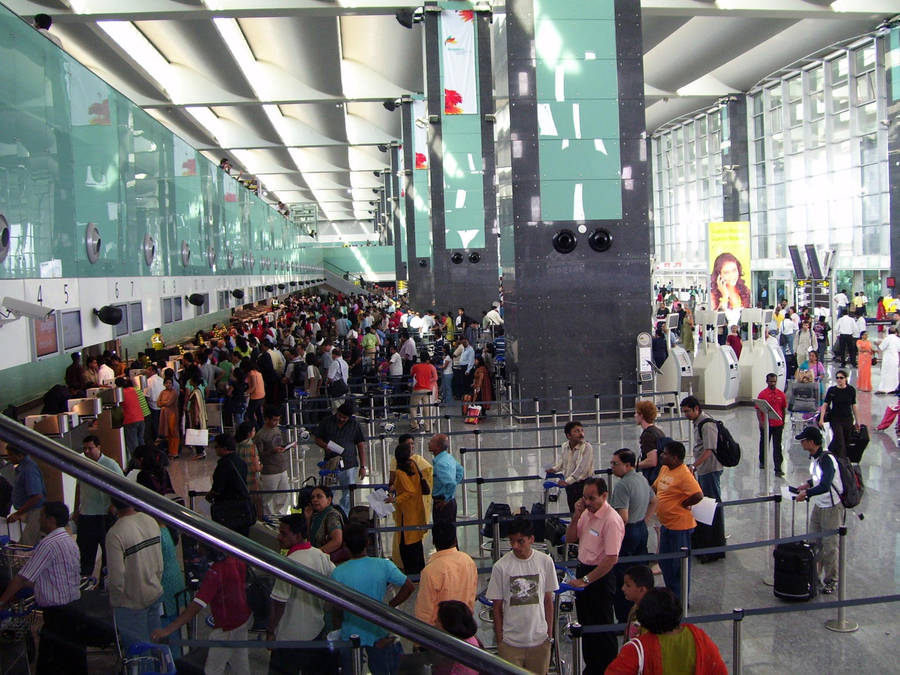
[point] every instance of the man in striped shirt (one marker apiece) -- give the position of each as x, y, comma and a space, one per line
53, 570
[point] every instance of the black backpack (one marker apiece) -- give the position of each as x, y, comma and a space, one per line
727, 450
851, 481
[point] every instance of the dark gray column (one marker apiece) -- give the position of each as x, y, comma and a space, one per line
395, 224
418, 267
464, 276
891, 50
736, 161
580, 177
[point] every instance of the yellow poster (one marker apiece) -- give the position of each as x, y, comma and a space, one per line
729, 265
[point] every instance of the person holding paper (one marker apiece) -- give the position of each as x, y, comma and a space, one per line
270, 446
677, 491
340, 435
775, 398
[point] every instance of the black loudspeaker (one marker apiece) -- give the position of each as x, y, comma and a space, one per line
474, 257
565, 241
600, 240
109, 315
282, 286
456, 258
269, 288
196, 299
238, 293
423, 262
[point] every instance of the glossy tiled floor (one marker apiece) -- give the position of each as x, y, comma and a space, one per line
796, 642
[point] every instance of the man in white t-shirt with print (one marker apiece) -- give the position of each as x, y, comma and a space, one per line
521, 590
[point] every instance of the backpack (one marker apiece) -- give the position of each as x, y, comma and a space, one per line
851, 481
727, 450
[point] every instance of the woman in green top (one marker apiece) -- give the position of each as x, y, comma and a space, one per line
326, 525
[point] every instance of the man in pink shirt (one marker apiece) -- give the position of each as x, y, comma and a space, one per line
599, 531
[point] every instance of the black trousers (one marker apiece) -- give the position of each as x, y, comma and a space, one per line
443, 510
412, 556
840, 436
595, 608
61, 651
574, 492
91, 534
775, 440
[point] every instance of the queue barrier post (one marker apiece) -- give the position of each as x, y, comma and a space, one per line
575, 633
449, 435
537, 420
385, 463
479, 483
478, 467
495, 544
597, 416
841, 624
621, 399
685, 579
571, 404
357, 656
737, 618
555, 439
509, 401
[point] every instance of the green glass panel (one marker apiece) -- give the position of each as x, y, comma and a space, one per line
579, 80
370, 260
583, 39
582, 119
894, 64
422, 201
579, 159
558, 199
574, 9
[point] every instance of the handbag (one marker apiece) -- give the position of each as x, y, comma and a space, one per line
235, 514
337, 388
198, 437
634, 642
423, 484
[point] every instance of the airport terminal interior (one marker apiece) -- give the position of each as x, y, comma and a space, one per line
605, 201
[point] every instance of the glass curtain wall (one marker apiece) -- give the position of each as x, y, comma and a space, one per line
819, 171
687, 194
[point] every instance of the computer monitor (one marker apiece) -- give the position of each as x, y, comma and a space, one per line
672, 321
70, 327
46, 337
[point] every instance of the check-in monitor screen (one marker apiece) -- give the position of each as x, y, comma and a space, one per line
71, 329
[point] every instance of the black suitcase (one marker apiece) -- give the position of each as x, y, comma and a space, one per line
710, 536
857, 444
539, 523
796, 576
505, 513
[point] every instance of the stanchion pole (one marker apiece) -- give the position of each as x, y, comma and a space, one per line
385, 462
479, 472
479, 495
777, 503
685, 579
737, 617
841, 624
465, 492
575, 633
510, 403
357, 660
571, 404
449, 437
597, 418
555, 440
769, 579
621, 412
537, 420
495, 544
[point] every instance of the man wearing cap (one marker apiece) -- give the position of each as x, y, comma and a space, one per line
340, 435
824, 490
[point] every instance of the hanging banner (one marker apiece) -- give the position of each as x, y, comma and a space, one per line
729, 265
459, 62
420, 133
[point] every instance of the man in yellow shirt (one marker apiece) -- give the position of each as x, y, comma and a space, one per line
677, 491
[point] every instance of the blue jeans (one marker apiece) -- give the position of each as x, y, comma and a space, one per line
345, 478
672, 541
710, 483
134, 436
136, 625
447, 388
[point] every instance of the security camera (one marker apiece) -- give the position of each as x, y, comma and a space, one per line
20, 308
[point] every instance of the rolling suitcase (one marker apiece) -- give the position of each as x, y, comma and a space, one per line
710, 536
796, 577
857, 444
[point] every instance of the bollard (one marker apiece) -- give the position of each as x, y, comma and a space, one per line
385, 462
597, 417
737, 616
841, 624
537, 420
357, 656
495, 545
479, 495
685, 579
571, 404
575, 634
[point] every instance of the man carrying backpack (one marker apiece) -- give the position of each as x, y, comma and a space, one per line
707, 468
824, 490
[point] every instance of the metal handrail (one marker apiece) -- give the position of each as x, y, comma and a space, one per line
220, 537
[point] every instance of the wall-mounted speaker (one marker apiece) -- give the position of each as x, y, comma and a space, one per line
600, 240
565, 241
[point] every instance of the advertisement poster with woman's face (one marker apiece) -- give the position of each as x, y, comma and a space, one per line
729, 258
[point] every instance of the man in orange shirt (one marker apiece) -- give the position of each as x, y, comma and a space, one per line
677, 491
424, 382
449, 575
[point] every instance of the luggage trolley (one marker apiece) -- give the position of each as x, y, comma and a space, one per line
564, 616
803, 403
17, 647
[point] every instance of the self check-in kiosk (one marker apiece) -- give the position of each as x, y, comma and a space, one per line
675, 369
758, 357
715, 367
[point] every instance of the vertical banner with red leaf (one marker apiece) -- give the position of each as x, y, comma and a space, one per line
460, 64
420, 133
